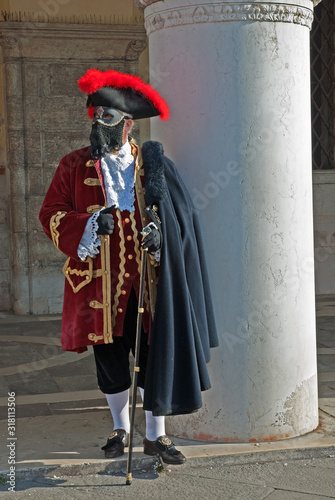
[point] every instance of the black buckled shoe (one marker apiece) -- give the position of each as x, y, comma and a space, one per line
164, 447
116, 443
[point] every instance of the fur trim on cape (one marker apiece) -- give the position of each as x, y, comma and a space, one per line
155, 184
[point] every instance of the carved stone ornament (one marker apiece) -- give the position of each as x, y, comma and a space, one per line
134, 48
218, 12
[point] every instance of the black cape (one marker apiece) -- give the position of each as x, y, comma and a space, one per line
184, 327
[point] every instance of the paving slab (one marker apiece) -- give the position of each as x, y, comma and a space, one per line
62, 420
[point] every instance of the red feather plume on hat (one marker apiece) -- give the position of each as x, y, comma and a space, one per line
94, 79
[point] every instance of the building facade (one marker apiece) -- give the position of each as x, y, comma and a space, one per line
45, 47
250, 103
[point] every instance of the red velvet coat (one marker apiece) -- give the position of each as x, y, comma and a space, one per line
96, 290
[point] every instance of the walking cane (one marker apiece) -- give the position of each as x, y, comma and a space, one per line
136, 363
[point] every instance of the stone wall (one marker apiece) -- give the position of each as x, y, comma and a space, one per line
4, 213
44, 117
324, 231
45, 45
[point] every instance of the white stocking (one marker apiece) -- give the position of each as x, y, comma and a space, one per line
154, 426
119, 407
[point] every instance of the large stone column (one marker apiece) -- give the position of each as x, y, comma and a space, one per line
236, 76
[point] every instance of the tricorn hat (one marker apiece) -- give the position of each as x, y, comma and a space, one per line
127, 93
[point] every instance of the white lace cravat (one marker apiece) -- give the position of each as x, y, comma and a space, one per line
118, 173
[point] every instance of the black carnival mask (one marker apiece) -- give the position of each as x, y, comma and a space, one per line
106, 137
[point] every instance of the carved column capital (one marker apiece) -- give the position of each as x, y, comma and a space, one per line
205, 12
142, 4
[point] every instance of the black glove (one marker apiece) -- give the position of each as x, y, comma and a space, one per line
152, 241
106, 221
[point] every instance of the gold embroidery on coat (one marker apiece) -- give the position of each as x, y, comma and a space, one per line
54, 223
135, 239
106, 289
97, 273
121, 268
94, 338
107, 277
94, 208
88, 274
92, 181
137, 154
104, 272
96, 304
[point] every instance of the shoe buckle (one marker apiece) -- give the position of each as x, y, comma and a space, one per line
166, 441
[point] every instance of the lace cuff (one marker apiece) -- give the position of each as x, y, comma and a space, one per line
90, 241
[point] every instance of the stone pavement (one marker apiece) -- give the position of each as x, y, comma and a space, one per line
62, 419
303, 479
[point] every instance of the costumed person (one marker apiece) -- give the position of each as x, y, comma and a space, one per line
99, 201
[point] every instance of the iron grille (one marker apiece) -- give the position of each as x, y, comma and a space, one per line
323, 85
